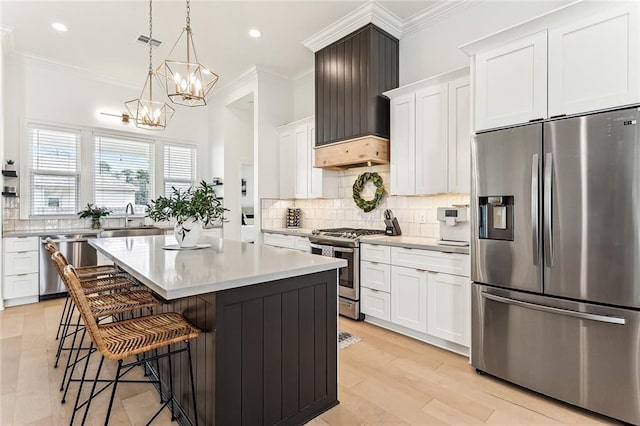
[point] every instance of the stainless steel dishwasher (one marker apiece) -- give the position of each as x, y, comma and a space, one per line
78, 252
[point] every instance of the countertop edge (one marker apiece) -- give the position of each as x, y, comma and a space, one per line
226, 285
427, 245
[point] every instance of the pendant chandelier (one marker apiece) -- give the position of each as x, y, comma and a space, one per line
187, 82
146, 112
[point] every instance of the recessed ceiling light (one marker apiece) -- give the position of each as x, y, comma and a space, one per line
255, 33
59, 27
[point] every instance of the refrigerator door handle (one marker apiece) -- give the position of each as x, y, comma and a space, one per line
535, 172
558, 311
548, 229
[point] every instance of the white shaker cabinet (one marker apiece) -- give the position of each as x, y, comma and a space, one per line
431, 140
448, 307
577, 59
20, 283
403, 144
298, 178
430, 135
409, 298
511, 82
593, 62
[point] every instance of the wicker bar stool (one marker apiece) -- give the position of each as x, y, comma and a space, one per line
102, 306
99, 284
84, 273
135, 337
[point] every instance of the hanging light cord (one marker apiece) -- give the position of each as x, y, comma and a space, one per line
150, 35
188, 17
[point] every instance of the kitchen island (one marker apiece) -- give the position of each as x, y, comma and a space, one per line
268, 349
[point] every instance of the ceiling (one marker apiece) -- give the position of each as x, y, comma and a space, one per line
102, 34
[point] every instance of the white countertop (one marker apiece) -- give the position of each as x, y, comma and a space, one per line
289, 231
226, 264
413, 242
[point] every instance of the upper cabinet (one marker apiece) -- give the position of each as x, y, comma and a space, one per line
593, 62
430, 135
580, 58
298, 178
511, 83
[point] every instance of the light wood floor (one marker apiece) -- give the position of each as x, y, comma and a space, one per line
386, 379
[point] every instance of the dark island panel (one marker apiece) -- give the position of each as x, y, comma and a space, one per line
248, 319
267, 353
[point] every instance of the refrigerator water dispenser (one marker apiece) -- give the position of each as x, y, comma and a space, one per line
496, 217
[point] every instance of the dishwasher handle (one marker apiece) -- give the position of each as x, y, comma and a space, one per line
65, 240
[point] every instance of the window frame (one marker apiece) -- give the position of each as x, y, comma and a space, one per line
86, 168
29, 172
194, 165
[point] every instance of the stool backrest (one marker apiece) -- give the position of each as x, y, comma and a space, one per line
51, 246
61, 262
71, 280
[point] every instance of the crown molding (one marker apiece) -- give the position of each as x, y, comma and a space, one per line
374, 13
369, 13
434, 14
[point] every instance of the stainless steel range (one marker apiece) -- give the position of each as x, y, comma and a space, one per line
344, 243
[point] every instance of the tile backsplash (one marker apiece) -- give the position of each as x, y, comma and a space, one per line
343, 212
11, 221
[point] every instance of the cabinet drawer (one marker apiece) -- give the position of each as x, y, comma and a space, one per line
16, 244
375, 253
278, 240
375, 303
21, 263
375, 275
20, 286
430, 260
301, 243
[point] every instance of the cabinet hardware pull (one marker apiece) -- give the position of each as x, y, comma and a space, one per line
421, 270
533, 120
21, 275
558, 116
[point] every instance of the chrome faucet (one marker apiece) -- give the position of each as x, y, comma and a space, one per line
126, 214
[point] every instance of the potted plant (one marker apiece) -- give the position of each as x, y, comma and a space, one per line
11, 165
192, 209
95, 213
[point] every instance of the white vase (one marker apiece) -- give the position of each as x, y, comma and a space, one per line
188, 233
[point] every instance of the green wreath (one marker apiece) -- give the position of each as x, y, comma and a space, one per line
358, 186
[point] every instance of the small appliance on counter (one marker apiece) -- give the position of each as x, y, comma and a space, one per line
293, 217
455, 228
393, 227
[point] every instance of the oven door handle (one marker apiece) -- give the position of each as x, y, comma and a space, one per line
343, 250
335, 248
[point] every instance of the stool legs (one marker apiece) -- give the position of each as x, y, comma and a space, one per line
193, 384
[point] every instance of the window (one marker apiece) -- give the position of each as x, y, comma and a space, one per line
179, 167
55, 171
123, 173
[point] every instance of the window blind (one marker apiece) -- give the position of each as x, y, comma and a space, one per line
179, 167
123, 173
54, 170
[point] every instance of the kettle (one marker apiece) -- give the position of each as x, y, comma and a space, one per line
393, 227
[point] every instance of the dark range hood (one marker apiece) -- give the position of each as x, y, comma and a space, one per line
352, 116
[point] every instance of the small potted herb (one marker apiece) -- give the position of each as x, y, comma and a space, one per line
95, 213
191, 209
11, 165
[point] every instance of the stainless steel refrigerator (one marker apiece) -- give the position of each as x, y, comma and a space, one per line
556, 259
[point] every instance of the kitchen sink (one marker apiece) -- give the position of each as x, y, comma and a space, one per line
130, 232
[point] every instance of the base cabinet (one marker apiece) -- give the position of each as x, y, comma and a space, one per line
294, 242
20, 281
448, 307
409, 298
424, 294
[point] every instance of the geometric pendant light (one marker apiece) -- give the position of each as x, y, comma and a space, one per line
185, 80
146, 112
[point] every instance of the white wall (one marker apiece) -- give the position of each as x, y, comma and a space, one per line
273, 109
304, 96
434, 50
238, 149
